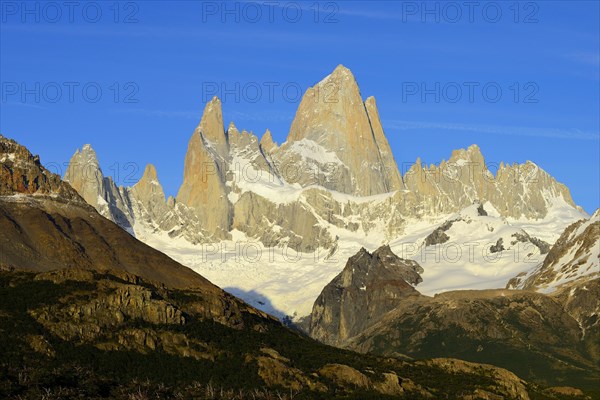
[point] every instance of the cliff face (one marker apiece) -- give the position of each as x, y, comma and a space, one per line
150, 194
338, 138
369, 286
203, 187
85, 176
519, 190
21, 173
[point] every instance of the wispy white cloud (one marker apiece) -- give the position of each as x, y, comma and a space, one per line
262, 116
262, 35
23, 104
161, 113
196, 115
494, 129
370, 14
585, 57
333, 9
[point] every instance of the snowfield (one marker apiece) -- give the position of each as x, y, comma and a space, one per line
283, 282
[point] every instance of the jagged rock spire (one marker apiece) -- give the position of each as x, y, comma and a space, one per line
148, 186
203, 187
149, 192
85, 176
345, 131
211, 125
267, 144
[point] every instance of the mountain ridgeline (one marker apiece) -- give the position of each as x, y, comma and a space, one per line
88, 311
334, 172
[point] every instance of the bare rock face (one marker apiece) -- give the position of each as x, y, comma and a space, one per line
276, 224
142, 206
515, 191
150, 193
388, 165
524, 190
21, 173
203, 187
335, 171
267, 145
334, 142
344, 375
86, 322
85, 176
565, 391
121, 312
249, 163
369, 286
212, 129
275, 371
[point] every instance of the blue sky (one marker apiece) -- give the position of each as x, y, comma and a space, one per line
132, 79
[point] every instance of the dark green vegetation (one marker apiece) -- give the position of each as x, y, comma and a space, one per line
48, 349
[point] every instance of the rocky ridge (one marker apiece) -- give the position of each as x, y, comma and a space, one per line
334, 172
22, 173
369, 286
574, 258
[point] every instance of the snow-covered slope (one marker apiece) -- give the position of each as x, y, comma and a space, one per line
574, 257
473, 249
260, 264
283, 282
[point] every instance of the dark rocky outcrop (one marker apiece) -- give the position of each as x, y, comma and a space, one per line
22, 173
524, 237
481, 211
551, 339
369, 286
499, 246
439, 236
